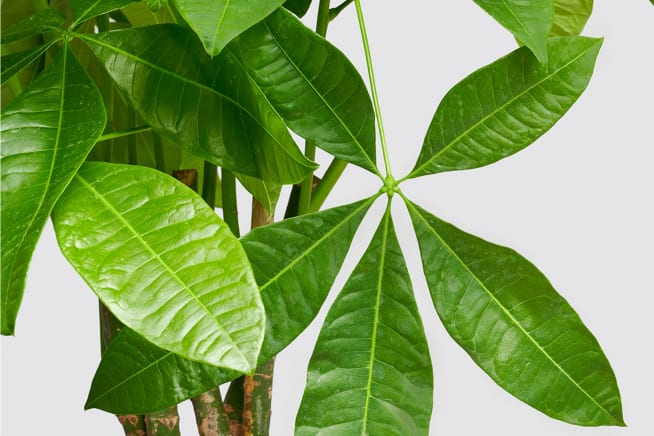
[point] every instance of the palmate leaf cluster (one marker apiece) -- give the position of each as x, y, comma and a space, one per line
226, 83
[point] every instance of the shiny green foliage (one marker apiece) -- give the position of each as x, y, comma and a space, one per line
528, 20
14, 63
41, 21
503, 107
218, 21
370, 372
205, 105
295, 262
85, 9
201, 307
515, 326
138, 377
46, 134
298, 7
297, 69
162, 261
570, 16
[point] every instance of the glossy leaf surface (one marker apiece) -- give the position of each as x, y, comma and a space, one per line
570, 16
135, 375
85, 9
14, 63
312, 85
505, 106
33, 25
295, 263
47, 131
298, 7
163, 262
266, 193
370, 372
219, 21
528, 20
207, 106
507, 316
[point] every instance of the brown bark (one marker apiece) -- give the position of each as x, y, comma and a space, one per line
257, 410
163, 423
210, 415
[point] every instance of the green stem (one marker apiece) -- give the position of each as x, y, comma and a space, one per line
159, 155
230, 206
257, 391
333, 12
209, 183
163, 423
210, 415
373, 87
323, 18
120, 134
103, 22
327, 183
233, 406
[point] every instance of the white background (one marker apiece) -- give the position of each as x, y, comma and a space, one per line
578, 203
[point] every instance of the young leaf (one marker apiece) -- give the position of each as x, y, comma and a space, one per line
35, 24
14, 63
205, 105
163, 262
503, 107
507, 316
295, 263
312, 85
218, 21
85, 9
47, 131
528, 20
370, 372
570, 16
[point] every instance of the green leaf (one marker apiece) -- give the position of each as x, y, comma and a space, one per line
162, 262
370, 372
515, 326
47, 131
85, 9
298, 7
295, 262
134, 374
41, 21
266, 193
312, 85
503, 107
570, 16
528, 20
155, 5
217, 22
206, 106
14, 63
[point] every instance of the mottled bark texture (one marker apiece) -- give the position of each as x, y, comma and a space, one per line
210, 415
163, 423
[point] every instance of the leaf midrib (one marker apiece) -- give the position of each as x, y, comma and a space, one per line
317, 93
419, 170
505, 310
375, 322
312, 247
156, 256
41, 202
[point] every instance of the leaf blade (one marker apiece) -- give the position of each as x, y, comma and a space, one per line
85, 9
45, 138
370, 372
528, 20
507, 316
570, 16
183, 87
521, 101
161, 260
326, 235
321, 97
218, 22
